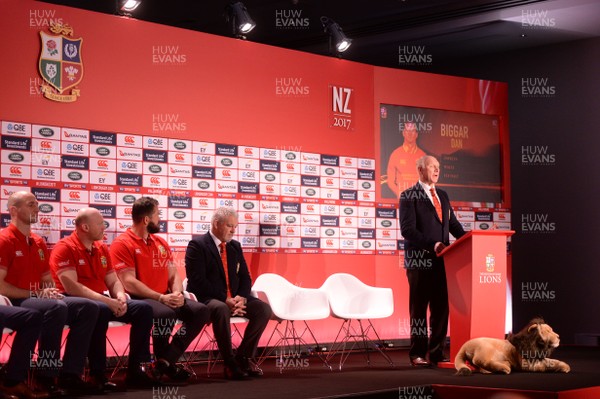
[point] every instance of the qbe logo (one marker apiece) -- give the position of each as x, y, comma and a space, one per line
342, 101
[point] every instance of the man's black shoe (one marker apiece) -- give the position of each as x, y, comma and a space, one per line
233, 372
102, 384
419, 362
73, 385
174, 372
248, 366
138, 379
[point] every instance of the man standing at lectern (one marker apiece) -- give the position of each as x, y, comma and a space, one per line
426, 219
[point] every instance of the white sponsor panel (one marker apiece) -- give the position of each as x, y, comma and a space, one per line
199, 215
331, 171
67, 223
366, 211
290, 156
201, 147
179, 227
290, 191
330, 182
123, 224
310, 192
127, 199
249, 241
387, 245
330, 243
226, 162
269, 153
203, 184
7, 190
16, 129
77, 196
103, 198
270, 189
45, 132
130, 140
248, 152
330, 209
348, 243
49, 222
465, 216
270, 218
248, 164
367, 196
290, 242
249, 205
180, 158
502, 217
130, 167
124, 212
368, 185
346, 232
203, 160
310, 220
78, 135
103, 151
226, 202
307, 157
101, 164
251, 176
224, 186
46, 208
290, 179
180, 145
203, 203
75, 176
245, 229
178, 240
13, 171
364, 163
46, 146
348, 173
180, 170
226, 174
348, 184
502, 226
348, 162
366, 223
348, 221
155, 168
74, 148
310, 231
249, 217
310, 169
270, 242
330, 232
269, 177
155, 181
111, 226
45, 160
293, 168
270, 206
348, 210
71, 210
310, 209
387, 223
179, 214
130, 154
386, 234
200, 227
156, 143
467, 226
50, 236
291, 230
330, 193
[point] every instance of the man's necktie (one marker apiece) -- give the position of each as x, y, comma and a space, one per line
436, 203
224, 260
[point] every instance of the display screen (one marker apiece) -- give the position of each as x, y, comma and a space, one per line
467, 145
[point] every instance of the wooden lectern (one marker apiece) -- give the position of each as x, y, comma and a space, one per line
476, 274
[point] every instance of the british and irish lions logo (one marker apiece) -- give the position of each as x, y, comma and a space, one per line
60, 63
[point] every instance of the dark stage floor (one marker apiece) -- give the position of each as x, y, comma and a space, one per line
310, 379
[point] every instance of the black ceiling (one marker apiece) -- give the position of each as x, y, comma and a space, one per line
443, 29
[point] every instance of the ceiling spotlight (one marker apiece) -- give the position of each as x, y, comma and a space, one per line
337, 37
129, 5
241, 21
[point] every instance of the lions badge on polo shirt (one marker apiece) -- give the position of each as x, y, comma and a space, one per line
41, 253
163, 251
103, 261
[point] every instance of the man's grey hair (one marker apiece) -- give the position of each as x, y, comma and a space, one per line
223, 213
422, 161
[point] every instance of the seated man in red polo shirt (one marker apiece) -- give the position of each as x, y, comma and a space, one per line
26, 280
81, 267
144, 263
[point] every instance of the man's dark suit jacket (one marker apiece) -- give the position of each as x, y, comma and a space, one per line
204, 268
420, 225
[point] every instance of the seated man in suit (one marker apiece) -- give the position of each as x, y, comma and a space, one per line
226, 294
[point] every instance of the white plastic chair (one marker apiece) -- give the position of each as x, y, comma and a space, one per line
352, 300
290, 303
